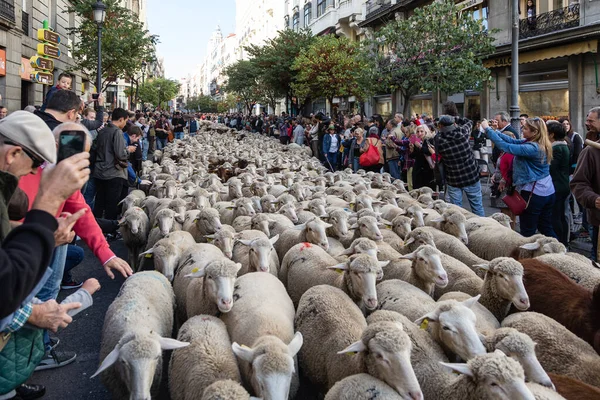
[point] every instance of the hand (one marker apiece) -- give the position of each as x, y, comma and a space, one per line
597, 204
145, 182
64, 234
91, 285
411, 147
60, 181
100, 100
131, 149
484, 124
51, 315
494, 124
418, 144
501, 186
117, 264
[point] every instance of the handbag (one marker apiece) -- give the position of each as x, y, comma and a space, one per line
516, 203
370, 157
438, 170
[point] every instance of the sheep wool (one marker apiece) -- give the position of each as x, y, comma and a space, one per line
361, 387
225, 390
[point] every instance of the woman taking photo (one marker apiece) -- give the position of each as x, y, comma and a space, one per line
531, 173
421, 151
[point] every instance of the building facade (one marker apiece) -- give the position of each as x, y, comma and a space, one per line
255, 22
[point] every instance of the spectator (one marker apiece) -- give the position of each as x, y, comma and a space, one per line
63, 83
559, 171
421, 151
399, 118
283, 132
161, 127
391, 148
331, 147
3, 112
479, 147
110, 168
460, 168
298, 133
586, 180
75, 256
64, 106
178, 124
574, 141
531, 173
373, 140
193, 126
140, 122
501, 122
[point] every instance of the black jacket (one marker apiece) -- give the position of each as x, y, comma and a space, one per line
95, 124
48, 119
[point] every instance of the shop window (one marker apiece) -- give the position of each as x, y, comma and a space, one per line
421, 106
546, 104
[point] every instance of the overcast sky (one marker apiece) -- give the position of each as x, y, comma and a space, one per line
184, 27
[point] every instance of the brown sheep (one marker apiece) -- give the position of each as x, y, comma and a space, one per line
553, 294
572, 389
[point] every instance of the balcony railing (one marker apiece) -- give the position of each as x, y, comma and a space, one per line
7, 10
25, 22
376, 6
552, 21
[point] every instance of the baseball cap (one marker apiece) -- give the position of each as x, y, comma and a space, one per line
28, 131
331, 127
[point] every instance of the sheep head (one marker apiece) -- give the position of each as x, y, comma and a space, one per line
453, 223
504, 277
369, 228
427, 265
219, 282
259, 252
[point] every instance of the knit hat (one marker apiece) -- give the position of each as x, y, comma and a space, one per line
29, 131
446, 120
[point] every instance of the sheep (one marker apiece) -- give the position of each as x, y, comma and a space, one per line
574, 389
230, 211
276, 224
224, 239
255, 251
503, 285
423, 269
135, 227
339, 223
502, 219
165, 224
243, 223
339, 343
453, 223
312, 231
553, 294
262, 319
558, 350
365, 227
583, 272
133, 199
546, 245
206, 360
268, 203
180, 208
289, 211
361, 387
136, 329
415, 212
189, 219
404, 298
360, 246
167, 252
207, 223
401, 226
226, 390
307, 265
486, 322
389, 212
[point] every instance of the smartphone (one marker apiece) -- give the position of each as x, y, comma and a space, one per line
70, 143
95, 96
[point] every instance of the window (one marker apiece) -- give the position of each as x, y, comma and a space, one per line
479, 12
296, 21
307, 14
287, 21
321, 5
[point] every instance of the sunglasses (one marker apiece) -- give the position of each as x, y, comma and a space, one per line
36, 162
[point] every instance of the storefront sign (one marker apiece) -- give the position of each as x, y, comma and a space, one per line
2, 62
463, 5
591, 46
26, 69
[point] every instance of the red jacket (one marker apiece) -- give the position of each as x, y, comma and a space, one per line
86, 227
506, 167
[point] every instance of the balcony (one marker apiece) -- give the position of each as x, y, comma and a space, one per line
7, 12
376, 7
347, 8
552, 21
324, 6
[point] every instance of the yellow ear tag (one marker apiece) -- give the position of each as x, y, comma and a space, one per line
425, 324
209, 240
339, 271
351, 353
387, 226
352, 204
148, 255
155, 226
195, 220
194, 270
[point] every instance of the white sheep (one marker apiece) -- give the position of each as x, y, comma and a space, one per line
404, 298
255, 251
189, 219
206, 360
207, 222
580, 269
313, 231
224, 239
165, 223
230, 211
135, 227
167, 252
339, 343
137, 326
453, 223
361, 387
226, 390
133, 199
262, 319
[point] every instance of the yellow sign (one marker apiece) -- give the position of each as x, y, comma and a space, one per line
46, 35
42, 63
48, 50
43, 77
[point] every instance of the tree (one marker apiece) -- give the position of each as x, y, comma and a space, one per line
125, 42
158, 91
328, 68
274, 61
446, 56
242, 80
203, 104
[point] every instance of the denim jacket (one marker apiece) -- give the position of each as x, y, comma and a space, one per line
530, 163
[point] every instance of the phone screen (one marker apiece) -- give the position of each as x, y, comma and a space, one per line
70, 143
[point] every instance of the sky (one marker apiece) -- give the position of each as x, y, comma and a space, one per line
184, 27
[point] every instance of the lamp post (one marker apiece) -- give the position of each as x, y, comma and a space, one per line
144, 64
514, 70
99, 14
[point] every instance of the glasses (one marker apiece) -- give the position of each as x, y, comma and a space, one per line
35, 161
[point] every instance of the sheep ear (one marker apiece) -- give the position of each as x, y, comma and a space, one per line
354, 226
499, 352
347, 252
409, 256
238, 266
341, 266
440, 219
299, 227
431, 316
485, 267
196, 273
147, 252
356, 347
209, 236
383, 264
245, 242
243, 352
409, 241
530, 246
121, 202
109, 360
295, 344
326, 225
274, 239
460, 368
122, 221
472, 301
171, 344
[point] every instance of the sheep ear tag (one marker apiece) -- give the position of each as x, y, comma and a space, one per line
424, 324
339, 271
210, 240
148, 255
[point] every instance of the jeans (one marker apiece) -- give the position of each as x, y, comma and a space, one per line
559, 218
161, 143
89, 192
145, 147
355, 165
538, 215
108, 193
74, 258
179, 135
473, 193
594, 242
52, 286
193, 134
394, 168
332, 159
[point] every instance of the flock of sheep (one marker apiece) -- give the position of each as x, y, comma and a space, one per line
274, 274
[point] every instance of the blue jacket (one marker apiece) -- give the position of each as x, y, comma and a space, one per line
530, 163
327, 142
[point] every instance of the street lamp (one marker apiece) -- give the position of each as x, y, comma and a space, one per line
144, 65
99, 14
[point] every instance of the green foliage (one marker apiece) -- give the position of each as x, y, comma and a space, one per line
243, 81
437, 48
125, 42
158, 91
329, 67
203, 104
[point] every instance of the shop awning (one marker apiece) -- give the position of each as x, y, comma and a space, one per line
590, 46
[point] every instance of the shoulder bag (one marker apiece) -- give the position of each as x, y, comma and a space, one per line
371, 156
438, 170
516, 203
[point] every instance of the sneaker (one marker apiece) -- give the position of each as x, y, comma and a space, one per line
72, 284
56, 359
29, 391
54, 341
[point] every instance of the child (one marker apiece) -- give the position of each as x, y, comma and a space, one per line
64, 83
